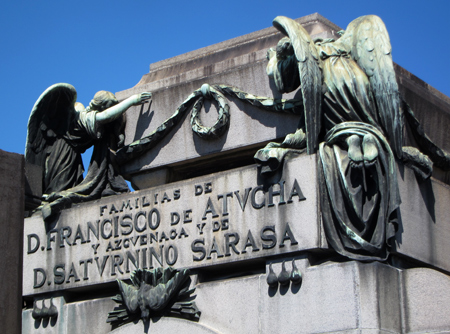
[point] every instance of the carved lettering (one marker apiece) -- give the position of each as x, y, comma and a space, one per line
210, 209
250, 242
39, 277
197, 247
31, 248
243, 201
255, 204
269, 237
288, 235
225, 202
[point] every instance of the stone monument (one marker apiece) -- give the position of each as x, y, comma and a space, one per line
306, 193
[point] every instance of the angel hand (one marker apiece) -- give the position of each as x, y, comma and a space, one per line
142, 97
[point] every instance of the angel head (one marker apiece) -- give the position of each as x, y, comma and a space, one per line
103, 100
284, 48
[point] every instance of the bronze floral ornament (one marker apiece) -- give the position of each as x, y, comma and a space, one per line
154, 293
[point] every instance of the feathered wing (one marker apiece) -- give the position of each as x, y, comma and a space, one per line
49, 119
158, 297
130, 296
310, 76
367, 41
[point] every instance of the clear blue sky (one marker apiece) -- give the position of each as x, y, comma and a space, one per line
109, 45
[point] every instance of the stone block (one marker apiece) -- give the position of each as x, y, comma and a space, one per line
346, 297
231, 306
426, 301
90, 316
223, 218
53, 325
424, 222
165, 325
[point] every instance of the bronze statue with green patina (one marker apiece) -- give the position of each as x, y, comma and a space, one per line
61, 129
353, 115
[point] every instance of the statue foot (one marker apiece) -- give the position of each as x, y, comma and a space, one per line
370, 150
354, 151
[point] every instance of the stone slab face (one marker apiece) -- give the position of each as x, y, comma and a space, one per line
424, 230
11, 224
217, 219
334, 297
427, 296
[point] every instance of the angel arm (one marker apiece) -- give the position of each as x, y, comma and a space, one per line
130, 296
112, 113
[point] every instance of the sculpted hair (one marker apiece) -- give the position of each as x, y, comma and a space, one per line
102, 100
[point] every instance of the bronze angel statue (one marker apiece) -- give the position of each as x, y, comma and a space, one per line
354, 117
61, 129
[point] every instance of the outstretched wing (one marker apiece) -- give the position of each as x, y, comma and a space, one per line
130, 296
159, 296
310, 76
367, 41
49, 118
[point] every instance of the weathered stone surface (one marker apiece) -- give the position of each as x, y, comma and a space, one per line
432, 109
166, 325
349, 297
426, 301
87, 241
46, 325
235, 299
424, 229
239, 62
11, 224
91, 313
335, 291
422, 235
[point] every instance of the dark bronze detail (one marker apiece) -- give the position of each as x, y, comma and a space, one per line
44, 311
353, 115
283, 277
296, 275
154, 293
272, 279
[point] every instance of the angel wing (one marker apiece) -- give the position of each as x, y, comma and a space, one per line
367, 41
310, 76
130, 296
50, 119
158, 297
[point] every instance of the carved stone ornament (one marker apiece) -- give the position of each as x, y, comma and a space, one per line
284, 277
44, 312
154, 293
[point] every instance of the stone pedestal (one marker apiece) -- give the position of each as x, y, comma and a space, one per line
203, 205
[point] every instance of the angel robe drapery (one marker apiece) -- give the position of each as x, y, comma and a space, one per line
358, 204
57, 136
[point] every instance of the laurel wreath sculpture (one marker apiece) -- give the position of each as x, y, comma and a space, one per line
195, 102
